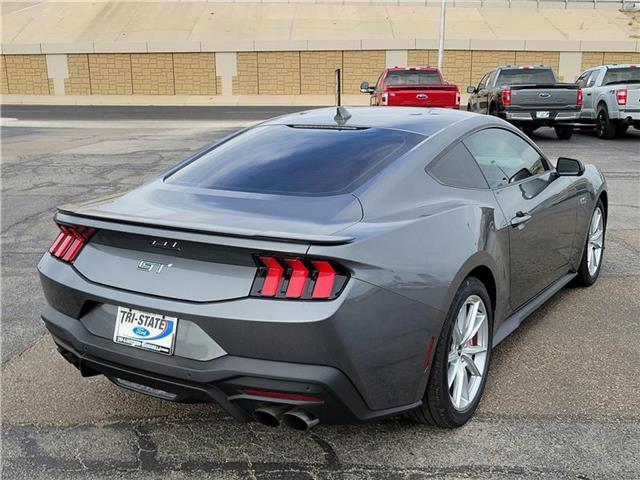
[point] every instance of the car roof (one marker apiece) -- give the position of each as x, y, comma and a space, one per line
424, 121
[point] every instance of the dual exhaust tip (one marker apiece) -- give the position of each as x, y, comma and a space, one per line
292, 417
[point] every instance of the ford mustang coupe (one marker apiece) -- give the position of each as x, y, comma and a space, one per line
326, 266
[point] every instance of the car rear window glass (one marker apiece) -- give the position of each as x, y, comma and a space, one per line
292, 160
503, 156
457, 168
523, 76
412, 77
621, 75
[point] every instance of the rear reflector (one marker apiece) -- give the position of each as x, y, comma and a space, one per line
298, 397
298, 278
70, 241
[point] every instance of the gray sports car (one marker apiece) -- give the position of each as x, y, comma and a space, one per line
326, 266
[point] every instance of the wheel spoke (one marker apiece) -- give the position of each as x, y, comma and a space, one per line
474, 321
457, 385
453, 371
473, 349
471, 366
453, 356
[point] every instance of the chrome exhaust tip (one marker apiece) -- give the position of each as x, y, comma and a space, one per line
299, 419
270, 415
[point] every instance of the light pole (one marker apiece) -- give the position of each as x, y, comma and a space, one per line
443, 8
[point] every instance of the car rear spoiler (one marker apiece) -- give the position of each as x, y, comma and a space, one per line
152, 227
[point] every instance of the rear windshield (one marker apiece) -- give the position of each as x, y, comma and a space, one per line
621, 75
522, 76
285, 160
412, 77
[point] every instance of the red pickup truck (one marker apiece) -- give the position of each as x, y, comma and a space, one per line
412, 87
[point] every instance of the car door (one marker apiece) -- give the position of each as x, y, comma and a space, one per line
481, 97
539, 206
588, 92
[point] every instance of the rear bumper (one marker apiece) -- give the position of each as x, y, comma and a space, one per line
222, 380
629, 115
362, 353
532, 116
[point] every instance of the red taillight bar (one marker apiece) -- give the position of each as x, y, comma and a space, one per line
70, 241
579, 98
303, 279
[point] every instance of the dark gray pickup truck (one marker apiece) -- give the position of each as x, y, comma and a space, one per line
529, 97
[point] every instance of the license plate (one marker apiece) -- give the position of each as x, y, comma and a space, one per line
145, 330
542, 114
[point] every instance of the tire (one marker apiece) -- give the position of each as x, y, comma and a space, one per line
469, 107
604, 126
438, 405
587, 274
529, 130
564, 132
621, 129
493, 110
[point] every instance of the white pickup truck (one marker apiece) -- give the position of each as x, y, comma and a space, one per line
611, 98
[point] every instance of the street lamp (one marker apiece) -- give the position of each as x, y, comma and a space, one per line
443, 8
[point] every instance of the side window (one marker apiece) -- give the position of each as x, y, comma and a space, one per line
503, 156
582, 79
457, 168
379, 85
592, 78
483, 82
490, 78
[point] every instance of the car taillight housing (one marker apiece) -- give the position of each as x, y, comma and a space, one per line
579, 98
298, 278
506, 97
70, 241
621, 96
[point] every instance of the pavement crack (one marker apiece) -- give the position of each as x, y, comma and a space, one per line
330, 455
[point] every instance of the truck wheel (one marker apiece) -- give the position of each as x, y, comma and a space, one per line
493, 111
564, 132
529, 130
604, 126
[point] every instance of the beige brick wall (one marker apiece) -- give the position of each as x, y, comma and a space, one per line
360, 66
195, 73
246, 80
618, 57
279, 73
422, 58
483, 61
317, 71
592, 59
27, 74
152, 73
457, 67
4, 86
79, 82
551, 59
110, 73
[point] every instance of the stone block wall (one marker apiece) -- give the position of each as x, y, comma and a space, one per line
110, 74
152, 73
27, 74
4, 85
279, 73
359, 66
246, 80
79, 81
195, 73
317, 72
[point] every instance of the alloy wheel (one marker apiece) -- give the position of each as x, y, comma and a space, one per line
468, 353
595, 242
601, 124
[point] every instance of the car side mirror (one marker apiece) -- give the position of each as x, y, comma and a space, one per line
471, 89
365, 88
569, 167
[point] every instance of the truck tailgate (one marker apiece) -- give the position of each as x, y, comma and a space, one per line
423, 96
548, 96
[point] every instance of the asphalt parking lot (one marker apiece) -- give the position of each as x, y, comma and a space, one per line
563, 398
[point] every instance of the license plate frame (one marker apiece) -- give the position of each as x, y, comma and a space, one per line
150, 331
543, 114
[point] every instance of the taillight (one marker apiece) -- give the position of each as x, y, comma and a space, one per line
298, 278
70, 241
621, 96
506, 98
579, 98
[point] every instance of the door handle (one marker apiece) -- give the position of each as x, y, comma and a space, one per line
520, 219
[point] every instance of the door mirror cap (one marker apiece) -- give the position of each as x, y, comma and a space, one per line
569, 167
365, 88
471, 89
